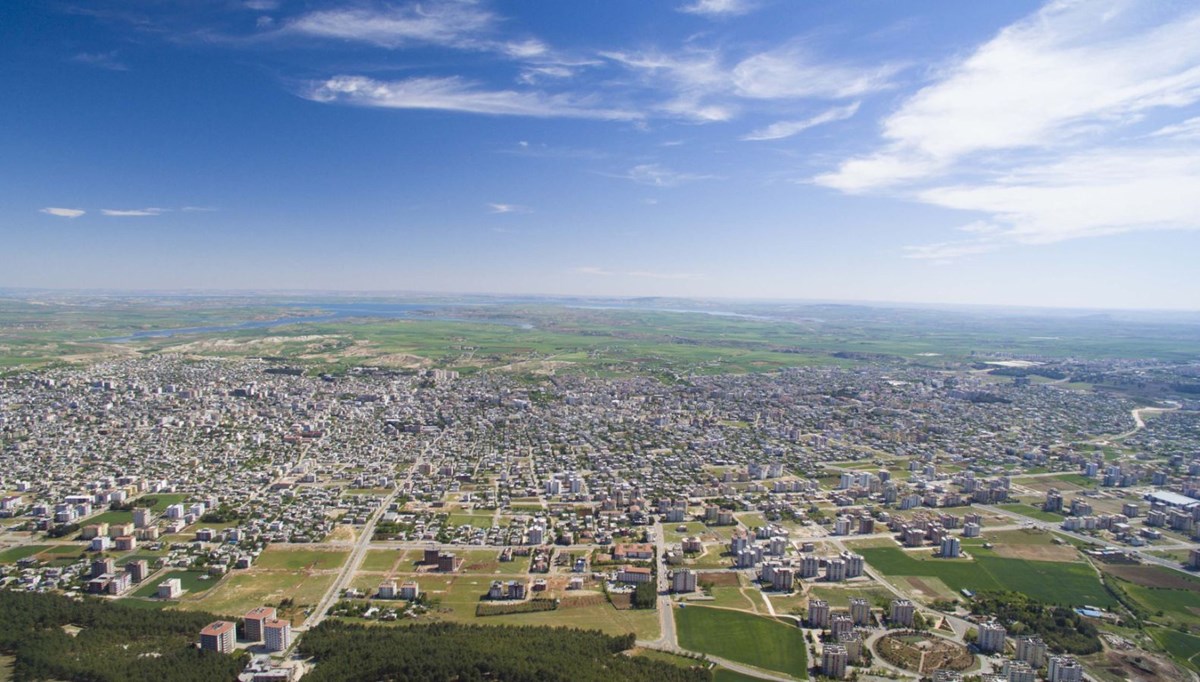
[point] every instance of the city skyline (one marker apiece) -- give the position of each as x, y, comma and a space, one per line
1021, 154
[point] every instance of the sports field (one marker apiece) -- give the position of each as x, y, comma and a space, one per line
753, 640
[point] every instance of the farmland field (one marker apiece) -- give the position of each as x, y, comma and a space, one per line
1052, 582
753, 640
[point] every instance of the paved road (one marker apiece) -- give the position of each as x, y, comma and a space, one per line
350, 566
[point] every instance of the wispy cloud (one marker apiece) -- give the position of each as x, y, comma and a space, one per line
508, 208
700, 85
718, 8
783, 129
793, 73
198, 209
63, 212
1033, 130
455, 23
101, 60
456, 94
132, 212
647, 274
261, 5
657, 176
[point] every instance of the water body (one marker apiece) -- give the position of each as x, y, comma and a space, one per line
332, 312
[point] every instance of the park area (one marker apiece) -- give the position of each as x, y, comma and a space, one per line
754, 640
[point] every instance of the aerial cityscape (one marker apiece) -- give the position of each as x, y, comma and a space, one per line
727, 340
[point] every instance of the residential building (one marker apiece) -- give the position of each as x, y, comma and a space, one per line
219, 637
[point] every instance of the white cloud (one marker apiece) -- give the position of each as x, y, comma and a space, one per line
658, 176
525, 49
508, 208
446, 22
1036, 131
1070, 71
261, 5
63, 212
132, 213
456, 94
783, 129
718, 7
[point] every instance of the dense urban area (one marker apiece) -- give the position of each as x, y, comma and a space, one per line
1000, 517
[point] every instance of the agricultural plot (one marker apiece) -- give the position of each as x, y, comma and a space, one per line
1183, 647
1053, 582
754, 640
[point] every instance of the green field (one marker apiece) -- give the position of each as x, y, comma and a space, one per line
276, 557
753, 640
15, 554
1183, 648
193, 582
1053, 582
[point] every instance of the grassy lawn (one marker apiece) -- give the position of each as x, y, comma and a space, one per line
193, 582
111, 517
284, 558
1053, 582
381, 560
15, 554
741, 637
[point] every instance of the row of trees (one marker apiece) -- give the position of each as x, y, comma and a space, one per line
114, 642
347, 652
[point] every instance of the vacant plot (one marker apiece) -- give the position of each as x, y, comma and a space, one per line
839, 597
754, 640
1032, 512
1037, 545
1053, 582
283, 557
239, 593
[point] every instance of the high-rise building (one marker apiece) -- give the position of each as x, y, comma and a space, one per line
860, 611
218, 636
683, 580
818, 613
254, 620
1032, 650
277, 634
991, 637
834, 660
903, 612
1064, 669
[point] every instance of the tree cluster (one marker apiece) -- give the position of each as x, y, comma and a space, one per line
114, 642
347, 652
1061, 628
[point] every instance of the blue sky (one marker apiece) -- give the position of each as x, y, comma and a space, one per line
998, 153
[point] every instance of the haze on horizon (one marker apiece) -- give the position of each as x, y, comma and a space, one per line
1022, 153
